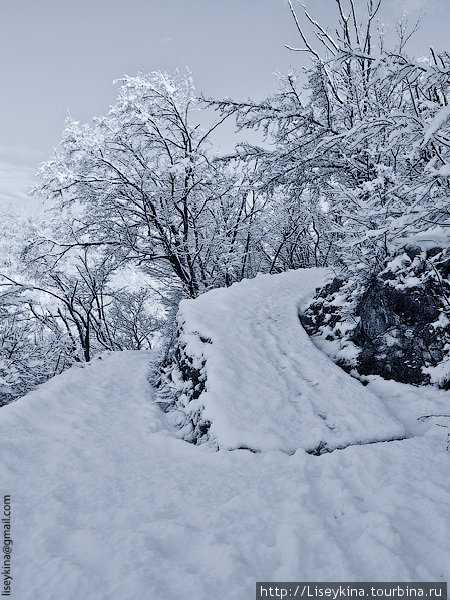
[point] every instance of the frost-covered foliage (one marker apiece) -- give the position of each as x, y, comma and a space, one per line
59, 307
58, 319
361, 154
144, 185
393, 324
29, 352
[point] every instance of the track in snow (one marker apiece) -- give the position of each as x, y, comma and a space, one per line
268, 387
108, 504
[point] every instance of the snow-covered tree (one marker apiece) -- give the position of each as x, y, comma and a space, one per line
61, 304
143, 185
361, 151
31, 351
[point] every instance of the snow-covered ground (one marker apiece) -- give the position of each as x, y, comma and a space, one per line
109, 503
268, 387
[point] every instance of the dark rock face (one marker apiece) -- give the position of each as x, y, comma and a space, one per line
396, 333
179, 379
396, 321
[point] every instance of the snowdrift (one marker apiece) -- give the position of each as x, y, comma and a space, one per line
107, 503
246, 375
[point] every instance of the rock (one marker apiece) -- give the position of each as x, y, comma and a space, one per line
395, 331
396, 321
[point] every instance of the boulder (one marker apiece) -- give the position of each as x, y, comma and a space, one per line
395, 321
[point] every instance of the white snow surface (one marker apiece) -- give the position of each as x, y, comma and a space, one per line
109, 504
439, 120
268, 387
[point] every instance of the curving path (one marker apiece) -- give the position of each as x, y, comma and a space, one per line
108, 504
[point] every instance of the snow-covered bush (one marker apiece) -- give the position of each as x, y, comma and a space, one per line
179, 376
393, 323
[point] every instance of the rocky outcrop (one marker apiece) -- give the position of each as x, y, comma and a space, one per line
180, 379
394, 324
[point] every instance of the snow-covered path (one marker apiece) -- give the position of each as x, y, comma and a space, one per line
267, 386
108, 504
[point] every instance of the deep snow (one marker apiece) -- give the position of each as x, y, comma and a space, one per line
108, 503
268, 387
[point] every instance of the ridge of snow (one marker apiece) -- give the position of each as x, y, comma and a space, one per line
268, 387
437, 122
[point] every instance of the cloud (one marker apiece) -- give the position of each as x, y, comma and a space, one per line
16, 181
415, 6
18, 165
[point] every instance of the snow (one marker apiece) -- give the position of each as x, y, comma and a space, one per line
107, 502
439, 120
440, 373
268, 387
434, 237
444, 171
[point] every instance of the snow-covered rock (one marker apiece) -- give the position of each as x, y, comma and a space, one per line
394, 323
246, 375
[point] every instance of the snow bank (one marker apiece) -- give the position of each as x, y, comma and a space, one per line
263, 384
108, 504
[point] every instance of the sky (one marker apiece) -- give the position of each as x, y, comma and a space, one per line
61, 56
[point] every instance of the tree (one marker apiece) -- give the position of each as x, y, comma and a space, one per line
363, 152
31, 351
142, 185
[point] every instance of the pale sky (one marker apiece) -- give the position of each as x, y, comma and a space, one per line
62, 55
